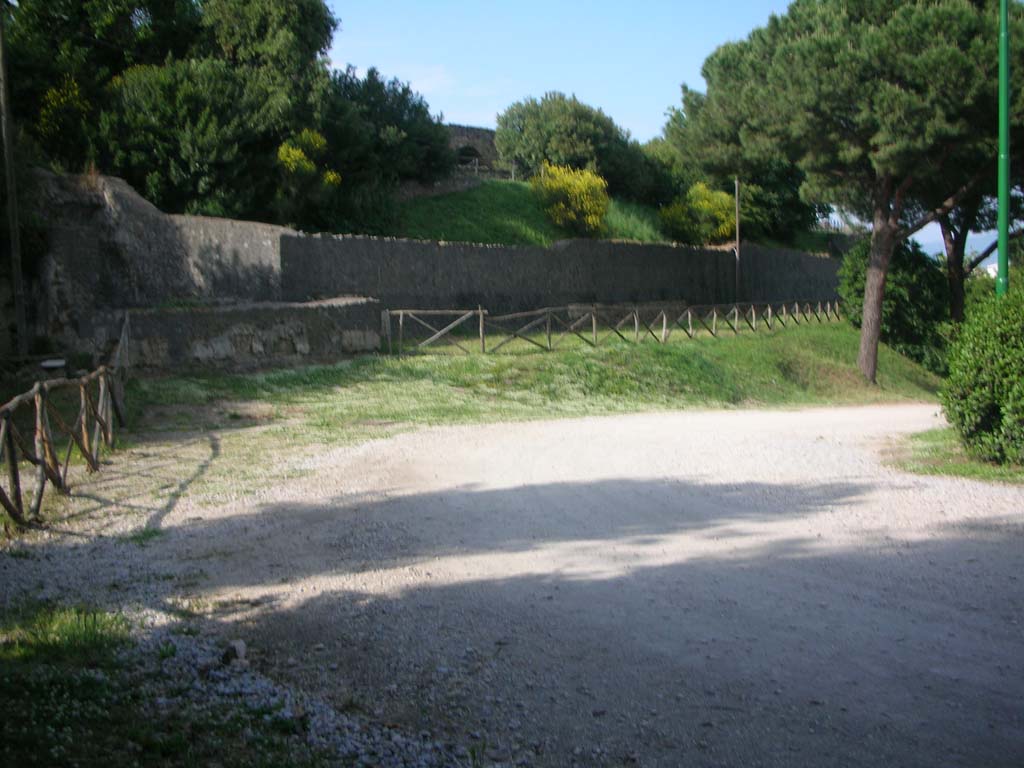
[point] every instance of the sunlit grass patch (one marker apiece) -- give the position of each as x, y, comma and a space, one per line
939, 452
57, 635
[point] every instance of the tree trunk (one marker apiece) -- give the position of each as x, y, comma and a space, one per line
883, 241
955, 244
957, 292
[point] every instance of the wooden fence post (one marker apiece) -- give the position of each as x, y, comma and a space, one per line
401, 331
385, 327
111, 407
37, 498
483, 337
17, 511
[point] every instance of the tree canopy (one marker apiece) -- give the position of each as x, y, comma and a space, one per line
194, 102
563, 131
877, 103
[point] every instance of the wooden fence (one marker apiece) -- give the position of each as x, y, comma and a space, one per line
403, 330
100, 397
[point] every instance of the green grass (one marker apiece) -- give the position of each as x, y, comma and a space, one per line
50, 635
500, 212
632, 221
939, 452
71, 697
507, 213
810, 364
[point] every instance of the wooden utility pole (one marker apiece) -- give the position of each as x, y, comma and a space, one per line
737, 238
7, 128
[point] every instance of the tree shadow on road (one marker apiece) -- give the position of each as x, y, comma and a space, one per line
689, 622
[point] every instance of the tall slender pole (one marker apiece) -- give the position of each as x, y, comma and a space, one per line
7, 129
1003, 281
737, 238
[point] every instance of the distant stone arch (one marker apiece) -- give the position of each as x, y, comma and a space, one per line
468, 155
473, 145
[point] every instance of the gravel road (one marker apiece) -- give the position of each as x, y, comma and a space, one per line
700, 588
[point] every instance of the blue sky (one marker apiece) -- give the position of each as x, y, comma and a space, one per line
472, 59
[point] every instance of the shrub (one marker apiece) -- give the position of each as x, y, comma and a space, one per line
307, 195
704, 216
576, 200
915, 307
984, 394
561, 130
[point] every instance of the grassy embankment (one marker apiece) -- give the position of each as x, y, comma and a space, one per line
270, 427
805, 365
506, 212
224, 435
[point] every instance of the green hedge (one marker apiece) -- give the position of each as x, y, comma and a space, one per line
984, 394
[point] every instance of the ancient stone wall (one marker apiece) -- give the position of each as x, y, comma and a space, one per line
251, 335
479, 140
109, 251
431, 275
108, 248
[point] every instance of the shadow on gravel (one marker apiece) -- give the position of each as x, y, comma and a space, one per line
642, 622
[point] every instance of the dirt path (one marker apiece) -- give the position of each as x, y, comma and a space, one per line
729, 588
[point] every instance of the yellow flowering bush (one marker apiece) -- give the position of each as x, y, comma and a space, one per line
576, 200
307, 194
703, 216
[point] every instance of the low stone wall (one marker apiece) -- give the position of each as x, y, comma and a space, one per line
253, 335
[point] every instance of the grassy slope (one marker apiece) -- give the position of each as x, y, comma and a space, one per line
505, 212
797, 366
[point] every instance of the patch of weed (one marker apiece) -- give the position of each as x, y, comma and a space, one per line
144, 536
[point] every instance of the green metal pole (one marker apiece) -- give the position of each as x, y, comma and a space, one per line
1003, 281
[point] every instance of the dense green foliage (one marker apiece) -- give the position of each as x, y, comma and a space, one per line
914, 311
702, 216
178, 133
574, 199
508, 213
195, 103
561, 130
984, 394
880, 105
701, 144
